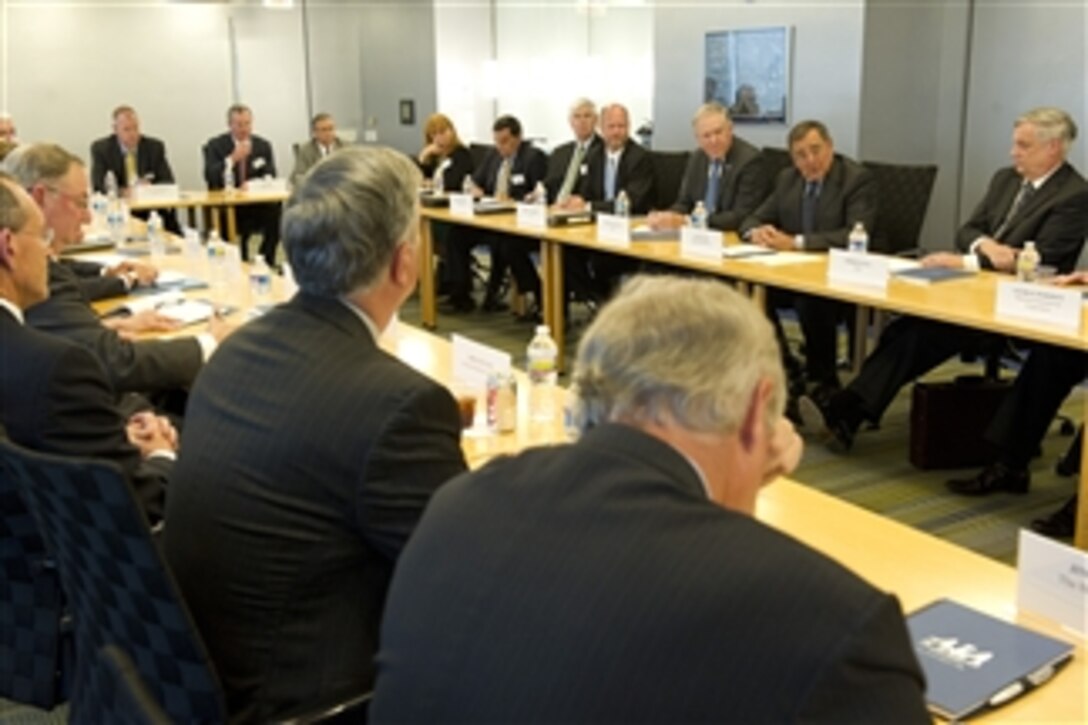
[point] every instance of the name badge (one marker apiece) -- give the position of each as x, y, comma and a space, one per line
1052, 580
703, 244
461, 205
583, 169
862, 270
258, 163
517, 179
532, 216
1049, 306
613, 231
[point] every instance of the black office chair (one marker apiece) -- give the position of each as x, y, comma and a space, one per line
35, 635
776, 159
479, 152
668, 169
903, 193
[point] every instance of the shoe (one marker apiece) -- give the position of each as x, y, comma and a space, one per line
1061, 524
458, 304
818, 416
995, 477
494, 304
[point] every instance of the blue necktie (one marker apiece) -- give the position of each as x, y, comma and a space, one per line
808, 206
712, 181
610, 179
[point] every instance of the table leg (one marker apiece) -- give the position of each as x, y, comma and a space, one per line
861, 338
551, 258
1080, 539
232, 225
427, 305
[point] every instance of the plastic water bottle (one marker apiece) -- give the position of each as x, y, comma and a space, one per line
111, 186
217, 265
622, 205
438, 181
540, 194
699, 216
100, 208
467, 185
858, 241
194, 253
228, 178
156, 240
1027, 263
116, 221
260, 283
542, 354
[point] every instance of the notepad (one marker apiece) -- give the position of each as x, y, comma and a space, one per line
643, 233
931, 275
170, 304
493, 206
740, 251
973, 661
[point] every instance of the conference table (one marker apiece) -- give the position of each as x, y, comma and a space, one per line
915, 566
213, 202
969, 302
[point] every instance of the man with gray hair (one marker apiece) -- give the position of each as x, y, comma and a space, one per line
568, 163
622, 577
313, 451
7, 128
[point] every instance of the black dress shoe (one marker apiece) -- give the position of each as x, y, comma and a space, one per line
459, 304
531, 315
1061, 524
818, 416
494, 304
995, 477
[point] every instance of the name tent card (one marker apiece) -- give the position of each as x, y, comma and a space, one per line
861, 270
1050, 306
156, 192
703, 244
267, 185
613, 231
1052, 580
532, 216
474, 361
461, 205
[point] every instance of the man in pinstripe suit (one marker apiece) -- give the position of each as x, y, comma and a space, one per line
312, 452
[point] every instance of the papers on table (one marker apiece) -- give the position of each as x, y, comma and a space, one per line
169, 304
741, 251
171, 281
156, 192
643, 233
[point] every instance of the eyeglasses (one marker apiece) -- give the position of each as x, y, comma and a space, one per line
80, 202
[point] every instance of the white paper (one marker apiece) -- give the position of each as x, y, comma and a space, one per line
1052, 581
1045, 304
862, 270
779, 259
474, 361
700, 244
156, 192
532, 216
461, 205
267, 185
613, 231
740, 251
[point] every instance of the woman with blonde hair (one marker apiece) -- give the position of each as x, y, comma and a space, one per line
443, 153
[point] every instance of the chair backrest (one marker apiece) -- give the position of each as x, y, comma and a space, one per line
31, 608
903, 197
776, 159
118, 586
479, 152
669, 169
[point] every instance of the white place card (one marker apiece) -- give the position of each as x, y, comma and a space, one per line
1052, 581
156, 192
861, 270
474, 361
1051, 306
267, 185
532, 216
461, 205
701, 244
613, 230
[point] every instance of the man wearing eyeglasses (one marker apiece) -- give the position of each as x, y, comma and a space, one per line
54, 395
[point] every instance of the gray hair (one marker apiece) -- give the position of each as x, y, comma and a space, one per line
1051, 123
583, 103
347, 217
13, 215
708, 109
40, 163
671, 348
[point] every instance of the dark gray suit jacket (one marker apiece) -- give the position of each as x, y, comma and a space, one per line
529, 166
94, 284
847, 195
635, 175
260, 161
1055, 218
309, 456
151, 163
597, 583
559, 160
742, 187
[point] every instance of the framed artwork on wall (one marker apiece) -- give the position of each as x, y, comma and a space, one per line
748, 72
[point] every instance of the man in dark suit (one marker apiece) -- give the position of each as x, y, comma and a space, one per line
1041, 198
313, 451
323, 141
248, 156
511, 170
57, 181
54, 396
568, 163
623, 578
134, 159
814, 205
726, 173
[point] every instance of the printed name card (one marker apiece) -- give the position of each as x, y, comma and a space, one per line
613, 231
532, 216
1052, 580
473, 362
861, 270
267, 185
1051, 306
461, 205
703, 244
156, 192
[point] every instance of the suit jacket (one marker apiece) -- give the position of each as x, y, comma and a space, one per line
95, 285
1055, 218
133, 367
296, 494
308, 154
151, 163
635, 175
260, 161
55, 398
453, 178
742, 187
559, 160
529, 166
596, 582
847, 195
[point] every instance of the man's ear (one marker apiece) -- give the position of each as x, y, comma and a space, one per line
754, 428
404, 270
7, 249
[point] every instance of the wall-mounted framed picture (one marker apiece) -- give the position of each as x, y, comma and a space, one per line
407, 112
748, 72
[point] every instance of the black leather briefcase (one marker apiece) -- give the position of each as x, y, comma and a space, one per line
948, 420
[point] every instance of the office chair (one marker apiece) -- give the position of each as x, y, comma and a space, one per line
776, 159
668, 169
904, 192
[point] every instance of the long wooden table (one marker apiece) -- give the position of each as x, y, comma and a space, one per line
968, 302
213, 201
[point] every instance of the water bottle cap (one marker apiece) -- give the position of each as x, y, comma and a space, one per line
543, 330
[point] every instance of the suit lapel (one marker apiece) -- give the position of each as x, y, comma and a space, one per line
1042, 195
